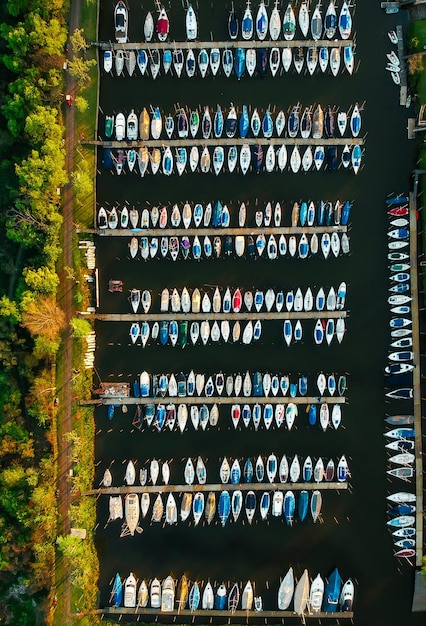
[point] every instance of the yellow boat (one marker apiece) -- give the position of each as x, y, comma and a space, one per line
144, 123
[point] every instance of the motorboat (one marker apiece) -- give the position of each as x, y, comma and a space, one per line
247, 23
168, 595
332, 592
163, 25
120, 22
214, 60
316, 594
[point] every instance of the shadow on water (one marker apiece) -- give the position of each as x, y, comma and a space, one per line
353, 535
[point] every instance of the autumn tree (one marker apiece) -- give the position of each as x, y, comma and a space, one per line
78, 41
43, 317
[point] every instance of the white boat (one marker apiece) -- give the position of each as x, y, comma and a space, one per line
286, 590
120, 22
287, 58
316, 594
115, 508
301, 593
294, 471
191, 24
148, 27
107, 61
130, 475
131, 512
303, 18
345, 21
155, 594
168, 595
171, 510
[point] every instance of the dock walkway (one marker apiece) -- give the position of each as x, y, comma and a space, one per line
263, 486
224, 141
230, 45
264, 316
416, 381
221, 232
217, 400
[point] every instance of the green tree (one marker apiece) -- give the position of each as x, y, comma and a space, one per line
80, 327
78, 41
42, 279
80, 69
81, 104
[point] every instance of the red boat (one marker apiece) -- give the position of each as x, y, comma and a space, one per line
237, 301
406, 553
162, 25
399, 210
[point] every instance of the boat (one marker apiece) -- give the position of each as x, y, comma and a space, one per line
120, 22
401, 497
301, 593
286, 590
345, 21
250, 506
247, 23
198, 507
117, 591
236, 504
403, 393
262, 22
214, 60
265, 502
316, 23
224, 507
289, 23
191, 24
203, 62
330, 21
107, 59
355, 121
233, 24
289, 507
332, 592
168, 595
316, 503
316, 594
178, 61
348, 57
162, 25
194, 597
131, 512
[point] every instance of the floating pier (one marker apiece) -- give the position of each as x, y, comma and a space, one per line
116, 491
221, 232
219, 400
417, 386
239, 615
230, 45
253, 315
225, 141
403, 72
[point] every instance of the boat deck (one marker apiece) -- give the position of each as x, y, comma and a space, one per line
264, 486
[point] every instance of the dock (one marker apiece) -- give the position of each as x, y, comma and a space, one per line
264, 486
224, 141
264, 316
222, 45
218, 400
417, 399
221, 232
240, 616
403, 90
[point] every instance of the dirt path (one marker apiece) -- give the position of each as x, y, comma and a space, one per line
66, 301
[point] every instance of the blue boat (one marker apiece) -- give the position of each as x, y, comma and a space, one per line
257, 413
149, 413
248, 471
312, 415
218, 123
227, 248
267, 125
111, 409
240, 62
173, 329
265, 503
302, 505
220, 598
142, 60
233, 24
303, 213
345, 213
303, 385
293, 122
257, 158
217, 214
401, 509
224, 507
167, 58
244, 122
289, 507
194, 597
332, 592
293, 390
235, 473
136, 389
183, 333
332, 157
246, 414
117, 591
401, 433
395, 200
160, 416
399, 233
257, 385
262, 60
247, 24
321, 213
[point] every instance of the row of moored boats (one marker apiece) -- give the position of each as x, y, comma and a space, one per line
329, 596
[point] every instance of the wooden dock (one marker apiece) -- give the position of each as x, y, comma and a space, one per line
224, 142
222, 45
221, 232
403, 89
264, 486
416, 380
217, 400
239, 616
264, 316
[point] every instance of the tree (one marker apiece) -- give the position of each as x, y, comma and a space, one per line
80, 69
81, 104
80, 327
42, 279
82, 181
78, 41
43, 317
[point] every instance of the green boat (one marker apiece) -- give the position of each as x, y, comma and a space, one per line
342, 385
183, 333
109, 126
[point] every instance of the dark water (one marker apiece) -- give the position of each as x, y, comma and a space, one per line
353, 536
